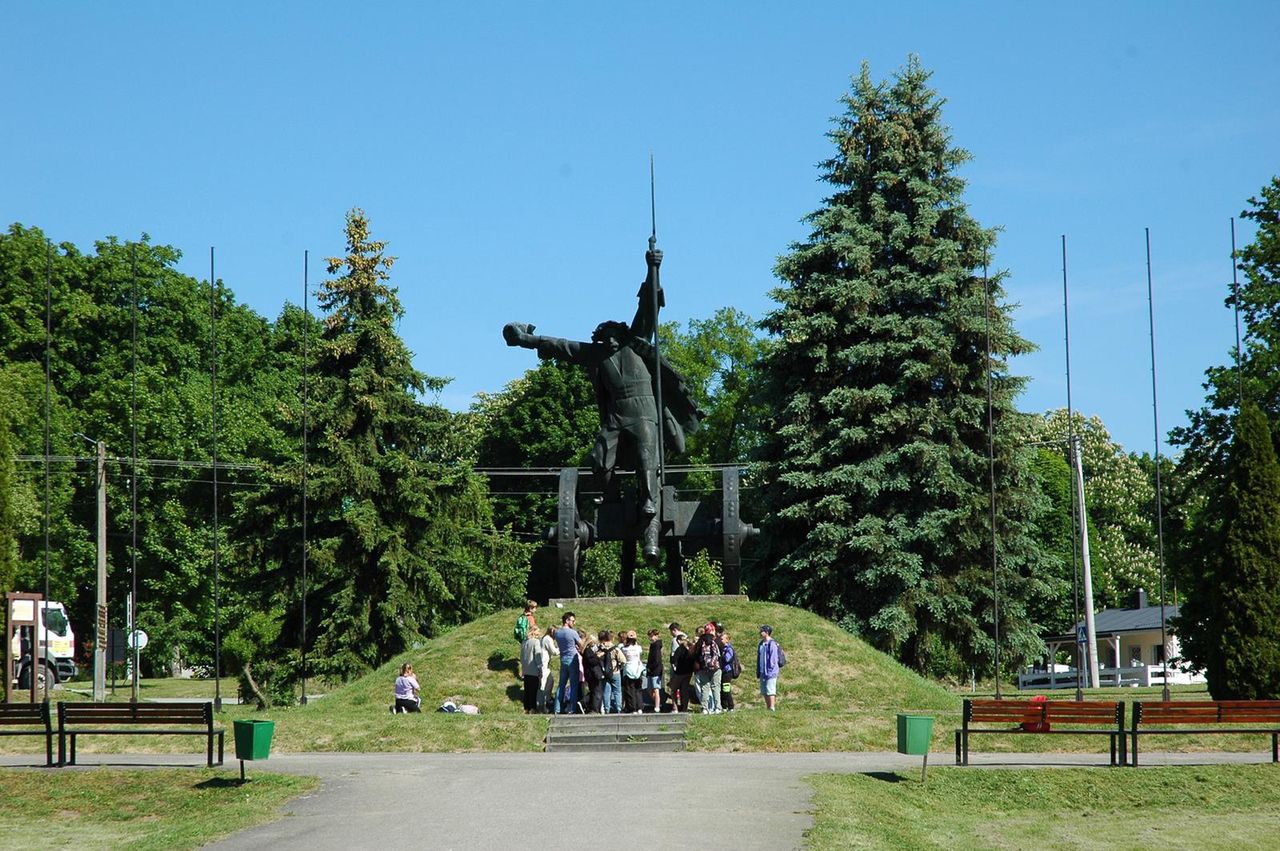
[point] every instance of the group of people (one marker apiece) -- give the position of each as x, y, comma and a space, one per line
611, 672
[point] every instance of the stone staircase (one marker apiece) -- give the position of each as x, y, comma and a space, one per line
617, 733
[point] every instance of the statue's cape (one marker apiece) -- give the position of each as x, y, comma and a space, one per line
680, 415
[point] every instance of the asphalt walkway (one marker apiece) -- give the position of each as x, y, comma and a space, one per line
500, 801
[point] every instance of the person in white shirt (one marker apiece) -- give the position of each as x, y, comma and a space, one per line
547, 683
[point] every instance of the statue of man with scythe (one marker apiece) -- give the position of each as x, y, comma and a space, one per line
637, 420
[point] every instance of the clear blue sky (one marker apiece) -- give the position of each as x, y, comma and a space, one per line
503, 150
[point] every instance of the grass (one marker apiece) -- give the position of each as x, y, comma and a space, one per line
835, 694
140, 809
1228, 806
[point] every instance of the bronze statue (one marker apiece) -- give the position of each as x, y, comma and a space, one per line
630, 378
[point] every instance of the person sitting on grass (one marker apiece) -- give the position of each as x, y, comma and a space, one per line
408, 697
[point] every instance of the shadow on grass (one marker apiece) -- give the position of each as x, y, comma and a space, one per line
499, 662
220, 783
884, 776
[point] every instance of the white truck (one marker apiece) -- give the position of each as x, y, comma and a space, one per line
55, 659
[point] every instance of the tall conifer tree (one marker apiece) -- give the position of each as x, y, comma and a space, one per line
1230, 623
402, 538
876, 448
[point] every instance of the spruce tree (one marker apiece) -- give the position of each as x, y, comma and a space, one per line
1230, 623
876, 444
401, 529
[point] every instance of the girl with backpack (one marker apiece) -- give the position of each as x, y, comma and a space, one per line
707, 667
730, 668
611, 660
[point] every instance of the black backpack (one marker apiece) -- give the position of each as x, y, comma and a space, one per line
733, 669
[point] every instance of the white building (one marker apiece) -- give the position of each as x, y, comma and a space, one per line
1130, 652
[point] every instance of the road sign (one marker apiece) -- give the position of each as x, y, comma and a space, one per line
138, 639
1081, 635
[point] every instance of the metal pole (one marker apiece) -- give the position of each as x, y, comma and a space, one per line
991, 466
306, 332
99, 645
1155, 419
1071, 442
657, 350
213, 385
1235, 303
1091, 634
41, 633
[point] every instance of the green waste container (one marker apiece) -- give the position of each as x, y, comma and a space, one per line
253, 739
915, 732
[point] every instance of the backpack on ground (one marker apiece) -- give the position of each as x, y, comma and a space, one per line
522, 628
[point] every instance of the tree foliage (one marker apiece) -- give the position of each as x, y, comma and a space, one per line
1230, 622
875, 442
1119, 490
402, 537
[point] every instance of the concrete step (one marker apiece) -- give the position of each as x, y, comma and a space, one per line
664, 746
589, 738
613, 733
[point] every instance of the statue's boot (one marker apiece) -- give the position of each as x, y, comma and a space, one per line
651, 542
647, 508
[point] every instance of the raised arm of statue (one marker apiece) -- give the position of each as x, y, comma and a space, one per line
558, 348
646, 318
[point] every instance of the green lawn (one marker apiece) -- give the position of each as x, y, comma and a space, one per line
1236, 806
836, 693
161, 809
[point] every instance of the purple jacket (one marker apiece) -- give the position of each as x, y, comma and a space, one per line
767, 660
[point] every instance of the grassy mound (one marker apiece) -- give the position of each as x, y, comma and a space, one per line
836, 693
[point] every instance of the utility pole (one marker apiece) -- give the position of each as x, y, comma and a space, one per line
100, 633
1091, 634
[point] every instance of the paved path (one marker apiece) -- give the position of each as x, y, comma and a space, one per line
483, 801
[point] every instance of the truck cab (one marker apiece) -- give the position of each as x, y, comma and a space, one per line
55, 659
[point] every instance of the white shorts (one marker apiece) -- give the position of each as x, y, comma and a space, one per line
769, 687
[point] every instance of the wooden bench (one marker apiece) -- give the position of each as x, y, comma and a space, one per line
33, 718
1084, 718
1206, 716
136, 719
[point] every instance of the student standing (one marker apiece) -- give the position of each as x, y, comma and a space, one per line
653, 669
682, 666
769, 661
569, 644
593, 669
707, 666
535, 666
730, 670
632, 674
611, 660
546, 690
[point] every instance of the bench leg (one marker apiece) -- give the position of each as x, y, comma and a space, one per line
208, 748
966, 748
73, 748
1275, 747
1124, 751
957, 747
1112, 741
62, 748
220, 735
48, 749
1133, 750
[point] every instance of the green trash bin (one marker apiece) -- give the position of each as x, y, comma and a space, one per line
915, 732
253, 740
